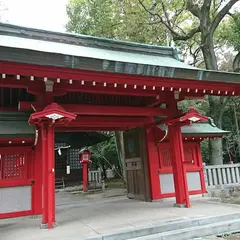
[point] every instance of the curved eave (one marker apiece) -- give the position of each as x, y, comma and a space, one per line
176, 71
34, 46
200, 130
16, 129
10, 141
85, 40
201, 137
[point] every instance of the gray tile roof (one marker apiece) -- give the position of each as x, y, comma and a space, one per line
26, 45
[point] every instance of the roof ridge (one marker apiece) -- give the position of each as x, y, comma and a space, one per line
85, 40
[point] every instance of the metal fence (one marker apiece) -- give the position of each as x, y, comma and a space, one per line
217, 175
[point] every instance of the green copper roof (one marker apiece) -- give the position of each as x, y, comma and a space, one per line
200, 129
34, 46
14, 125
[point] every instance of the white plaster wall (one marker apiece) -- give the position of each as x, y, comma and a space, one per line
15, 199
167, 182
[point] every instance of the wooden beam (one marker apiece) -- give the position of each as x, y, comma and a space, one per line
78, 75
76, 86
8, 109
11, 82
25, 106
91, 129
104, 122
100, 110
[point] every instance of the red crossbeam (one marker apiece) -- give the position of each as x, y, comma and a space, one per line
91, 129
101, 122
79, 75
114, 110
99, 110
100, 89
11, 82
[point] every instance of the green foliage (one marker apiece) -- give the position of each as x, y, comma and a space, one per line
235, 31
104, 155
201, 105
205, 151
122, 20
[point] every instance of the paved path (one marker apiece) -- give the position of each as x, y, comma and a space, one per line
79, 217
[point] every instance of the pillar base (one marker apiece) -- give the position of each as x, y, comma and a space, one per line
45, 225
179, 205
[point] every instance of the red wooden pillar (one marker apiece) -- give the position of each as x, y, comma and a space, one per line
179, 173
85, 158
47, 118
37, 187
153, 163
51, 176
48, 218
200, 161
85, 176
44, 174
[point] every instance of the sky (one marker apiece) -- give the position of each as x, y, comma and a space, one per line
43, 14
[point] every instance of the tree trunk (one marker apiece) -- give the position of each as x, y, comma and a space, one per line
215, 111
121, 153
216, 153
103, 169
237, 128
215, 106
236, 63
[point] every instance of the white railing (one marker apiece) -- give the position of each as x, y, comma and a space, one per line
218, 175
95, 176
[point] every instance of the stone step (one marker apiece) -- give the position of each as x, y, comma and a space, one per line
192, 233
178, 225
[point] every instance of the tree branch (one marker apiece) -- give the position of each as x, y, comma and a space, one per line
158, 16
193, 8
176, 35
221, 14
206, 7
188, 35
165, 13
236, 63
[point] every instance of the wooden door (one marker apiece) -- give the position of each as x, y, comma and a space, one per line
136, 164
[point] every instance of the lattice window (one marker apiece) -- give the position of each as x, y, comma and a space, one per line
166, 157
60, 145
189, 157
13, 166
74, 159
61, 160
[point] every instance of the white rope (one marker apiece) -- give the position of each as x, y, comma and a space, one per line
65, 147
166, 133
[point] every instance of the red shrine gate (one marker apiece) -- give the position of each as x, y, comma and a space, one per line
80, 83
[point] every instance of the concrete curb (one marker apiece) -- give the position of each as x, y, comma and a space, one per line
171, 227
195, 232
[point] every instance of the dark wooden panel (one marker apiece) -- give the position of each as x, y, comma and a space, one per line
136, 165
